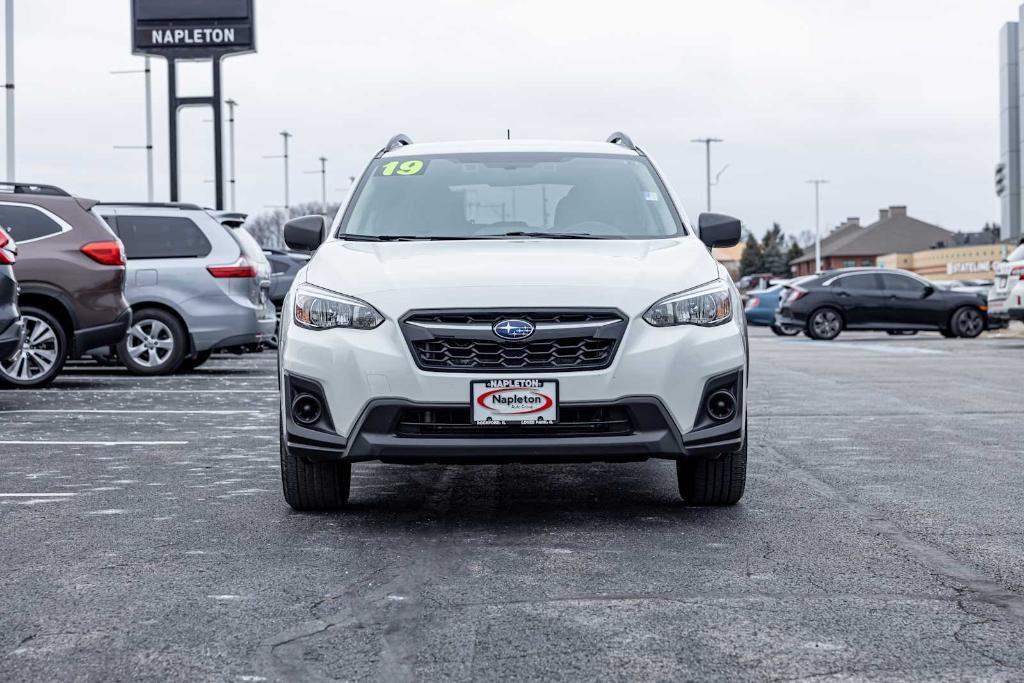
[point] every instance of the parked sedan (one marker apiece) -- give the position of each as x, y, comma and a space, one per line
760, 310
285, 266
878, 299
12, 329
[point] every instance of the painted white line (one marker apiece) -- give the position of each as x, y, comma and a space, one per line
94, 443
37, 495
65, 390
141, 412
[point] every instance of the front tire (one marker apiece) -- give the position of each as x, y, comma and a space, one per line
825, 324
155, 344
967, 322
713, 483
314, 486
785, 331
42, 357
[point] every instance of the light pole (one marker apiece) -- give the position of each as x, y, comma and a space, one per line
323, 180
149, 126
231, 148
817, 222
9, 86
284, 135
707, 142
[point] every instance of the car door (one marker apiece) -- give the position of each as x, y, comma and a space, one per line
911, 302
861, 297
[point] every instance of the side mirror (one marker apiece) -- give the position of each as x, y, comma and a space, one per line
306, 233
717, 230
928, 291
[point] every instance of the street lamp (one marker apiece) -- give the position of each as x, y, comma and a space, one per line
284, 136
231, 148
323, 180
817, 222
149, 125
707, 142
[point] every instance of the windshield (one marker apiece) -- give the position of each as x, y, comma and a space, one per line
511, 194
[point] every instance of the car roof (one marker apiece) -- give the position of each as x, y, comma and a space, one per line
478, 146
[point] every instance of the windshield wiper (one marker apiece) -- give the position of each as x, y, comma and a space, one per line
552, 235
400, 238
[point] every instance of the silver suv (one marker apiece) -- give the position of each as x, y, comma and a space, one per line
194, 285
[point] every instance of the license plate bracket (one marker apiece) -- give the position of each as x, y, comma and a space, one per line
514, 401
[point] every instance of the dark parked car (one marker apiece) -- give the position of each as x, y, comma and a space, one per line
878, 299
285, 265
71, 272
11, 325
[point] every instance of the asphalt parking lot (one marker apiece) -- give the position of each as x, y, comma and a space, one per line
143, 535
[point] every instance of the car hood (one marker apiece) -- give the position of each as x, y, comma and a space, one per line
397, 277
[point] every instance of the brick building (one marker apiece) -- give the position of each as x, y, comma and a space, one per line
852, 245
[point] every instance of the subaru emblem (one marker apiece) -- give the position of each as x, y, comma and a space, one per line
513, 329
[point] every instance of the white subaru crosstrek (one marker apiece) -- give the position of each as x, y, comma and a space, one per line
508, 302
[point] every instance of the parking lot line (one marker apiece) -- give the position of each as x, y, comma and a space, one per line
139, 412
65, 390
94, 443
37, 495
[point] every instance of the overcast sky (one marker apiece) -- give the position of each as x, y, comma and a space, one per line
895, 102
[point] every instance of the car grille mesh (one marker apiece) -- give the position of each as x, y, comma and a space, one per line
564, 341
572, 421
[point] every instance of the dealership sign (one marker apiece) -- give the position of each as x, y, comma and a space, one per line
192, 29
969, 267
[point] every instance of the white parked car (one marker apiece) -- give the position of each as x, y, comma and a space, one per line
1006, 298
512, 301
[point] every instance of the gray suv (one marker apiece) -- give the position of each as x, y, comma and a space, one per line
194, 285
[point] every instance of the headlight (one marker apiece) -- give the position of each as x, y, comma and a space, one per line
707, 305
320, 309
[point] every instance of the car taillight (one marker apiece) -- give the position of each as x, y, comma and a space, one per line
7, 250
1017, 272
753, 302
243, 267
109, 253
796, 293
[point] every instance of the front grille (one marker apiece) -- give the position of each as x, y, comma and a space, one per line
563, 340
572, 421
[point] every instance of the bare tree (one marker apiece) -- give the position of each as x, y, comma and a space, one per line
268, 227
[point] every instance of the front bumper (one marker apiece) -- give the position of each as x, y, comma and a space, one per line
660, 375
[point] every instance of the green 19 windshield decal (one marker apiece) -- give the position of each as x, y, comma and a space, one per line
403, 168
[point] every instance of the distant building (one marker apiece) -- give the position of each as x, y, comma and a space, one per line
853, 245
970, 262
730, 258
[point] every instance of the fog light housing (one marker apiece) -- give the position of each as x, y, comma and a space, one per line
307, 409
721, 406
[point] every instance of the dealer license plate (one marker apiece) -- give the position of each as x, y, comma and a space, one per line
514, 401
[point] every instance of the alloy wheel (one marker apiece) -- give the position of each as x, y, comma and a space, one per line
826, 324
37, 355
150, 343
969, 323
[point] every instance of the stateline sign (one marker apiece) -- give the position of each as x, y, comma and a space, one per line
192, 29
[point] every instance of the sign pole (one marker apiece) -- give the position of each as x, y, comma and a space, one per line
218, 142
172, 127
9, 86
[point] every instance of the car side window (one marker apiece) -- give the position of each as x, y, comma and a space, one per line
278, 265
146, 237
860, 281
24, 223
902, 283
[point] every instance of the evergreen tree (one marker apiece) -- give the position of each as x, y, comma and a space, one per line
795, 251
752, 260
774, 259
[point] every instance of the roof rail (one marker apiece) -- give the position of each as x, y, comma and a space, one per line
620, 138
400, 140
33, 188
155, 205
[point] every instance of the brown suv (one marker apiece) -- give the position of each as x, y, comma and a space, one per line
71, 271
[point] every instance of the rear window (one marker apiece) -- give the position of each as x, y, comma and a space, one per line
147, 237
250, 247
1017, 254
24, 223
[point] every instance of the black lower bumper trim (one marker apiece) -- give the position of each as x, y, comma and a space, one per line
377, 436
102, 335
11, 339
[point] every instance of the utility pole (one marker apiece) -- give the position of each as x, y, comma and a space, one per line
9, 85
817, 222
146, 71
231, 148
284, 135
707, 142
323, 180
